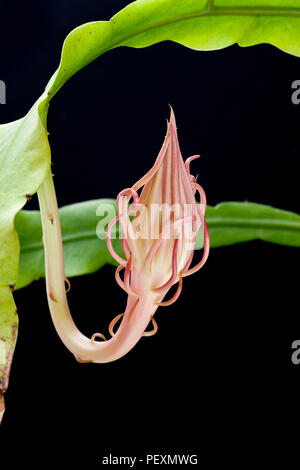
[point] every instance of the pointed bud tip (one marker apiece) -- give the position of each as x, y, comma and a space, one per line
172, 122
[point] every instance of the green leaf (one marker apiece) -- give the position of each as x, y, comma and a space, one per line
236, 222
9, 331
84, 252
198, 24
228, 223
22, 169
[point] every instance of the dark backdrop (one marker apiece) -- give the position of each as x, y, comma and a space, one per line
218, 375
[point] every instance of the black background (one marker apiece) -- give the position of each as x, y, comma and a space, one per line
218, 375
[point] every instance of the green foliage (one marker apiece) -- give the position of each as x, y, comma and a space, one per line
24, 159
235, 222
84, 252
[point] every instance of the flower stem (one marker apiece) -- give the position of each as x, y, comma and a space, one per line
138, 311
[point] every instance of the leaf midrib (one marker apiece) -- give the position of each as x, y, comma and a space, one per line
212, 222
255, 223
79, 236
211, 10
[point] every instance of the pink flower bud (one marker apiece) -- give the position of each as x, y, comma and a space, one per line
159, 231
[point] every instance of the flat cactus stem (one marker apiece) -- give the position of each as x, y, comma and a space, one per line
8, 338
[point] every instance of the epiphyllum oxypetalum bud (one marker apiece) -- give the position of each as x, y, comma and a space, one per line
159, 243
158, 246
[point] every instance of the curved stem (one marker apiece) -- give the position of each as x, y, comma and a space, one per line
140, 310
2, 405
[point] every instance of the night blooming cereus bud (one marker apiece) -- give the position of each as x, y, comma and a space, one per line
159, 230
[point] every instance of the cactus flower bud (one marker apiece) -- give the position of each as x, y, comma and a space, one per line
159, 229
